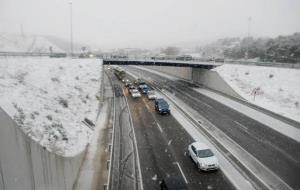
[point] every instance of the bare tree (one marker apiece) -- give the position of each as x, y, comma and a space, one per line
171, 50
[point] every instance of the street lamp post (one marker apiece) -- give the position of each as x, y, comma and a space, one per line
71, 29
248, 38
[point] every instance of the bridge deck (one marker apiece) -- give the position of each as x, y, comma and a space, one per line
174, 63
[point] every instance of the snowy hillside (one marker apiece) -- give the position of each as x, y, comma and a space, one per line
276, 89
18, 43
49, 99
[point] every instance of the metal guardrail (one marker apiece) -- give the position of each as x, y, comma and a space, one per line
248, 171
2, 53
266, 64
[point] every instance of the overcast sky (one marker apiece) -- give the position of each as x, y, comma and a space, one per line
150, 23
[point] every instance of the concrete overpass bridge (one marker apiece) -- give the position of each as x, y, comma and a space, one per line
202, 73
167, 63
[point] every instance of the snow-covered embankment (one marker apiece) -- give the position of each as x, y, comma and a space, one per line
48, 99
275, 89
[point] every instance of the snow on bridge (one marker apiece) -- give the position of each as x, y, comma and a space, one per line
151, 62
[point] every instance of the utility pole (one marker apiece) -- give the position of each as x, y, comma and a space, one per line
249, 22
248, 38
22, 31
71, 29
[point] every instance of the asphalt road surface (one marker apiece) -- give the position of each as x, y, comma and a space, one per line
162, 145
276, 151
124, 170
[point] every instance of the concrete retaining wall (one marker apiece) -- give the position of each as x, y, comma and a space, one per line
181, 72
26, 165
208, 78
265, 64
211, 79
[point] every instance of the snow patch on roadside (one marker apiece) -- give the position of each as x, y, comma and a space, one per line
49, 99
276, 89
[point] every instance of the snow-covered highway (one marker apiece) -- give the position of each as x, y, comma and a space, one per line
162, 144
254, 137
255, 150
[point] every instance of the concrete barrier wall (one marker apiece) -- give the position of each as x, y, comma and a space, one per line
208, 78
26, 165
211, 79
265, 64
181, 72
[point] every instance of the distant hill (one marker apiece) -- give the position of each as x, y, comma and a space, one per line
279, 49
38, 44
65, 44
27, 43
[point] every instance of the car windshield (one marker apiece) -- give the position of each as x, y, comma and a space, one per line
204, 153
163, 105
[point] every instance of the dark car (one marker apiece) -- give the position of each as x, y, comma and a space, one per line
172, 183
144, 88
162, 106
128, 83
130, 88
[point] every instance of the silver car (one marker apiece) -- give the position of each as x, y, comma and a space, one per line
203, 157
135, 93
151, 95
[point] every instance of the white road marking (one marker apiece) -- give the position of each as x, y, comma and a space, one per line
136, 148
159, 127
273, 123
154, 178
186, 181
147, 105
262, 173
242, 126
202, 102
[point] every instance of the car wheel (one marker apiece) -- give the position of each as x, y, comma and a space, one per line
198, 166
188, 153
